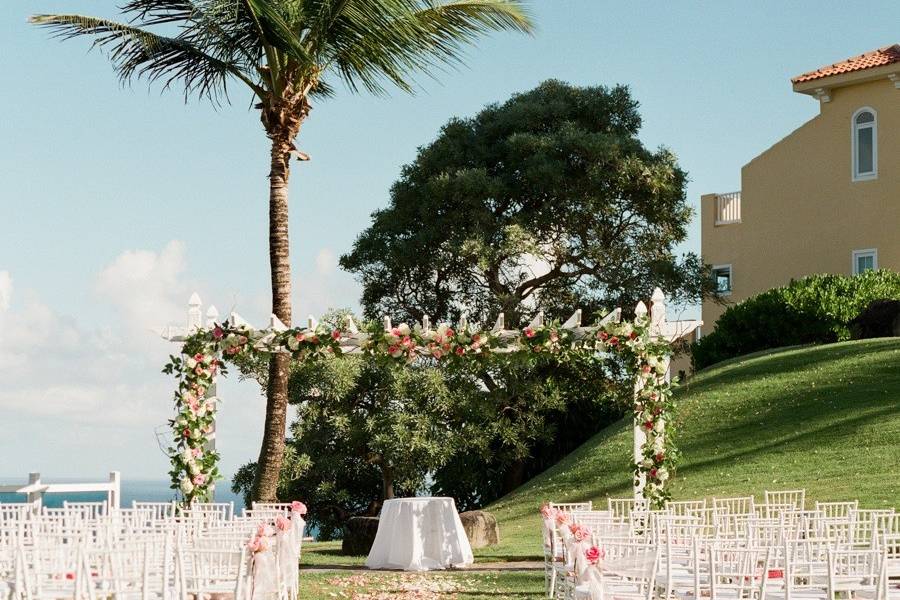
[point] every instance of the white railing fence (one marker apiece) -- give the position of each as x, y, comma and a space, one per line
728, 208
35, 489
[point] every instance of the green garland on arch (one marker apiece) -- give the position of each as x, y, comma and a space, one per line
195, 469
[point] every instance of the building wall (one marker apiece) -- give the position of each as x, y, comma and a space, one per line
801, 212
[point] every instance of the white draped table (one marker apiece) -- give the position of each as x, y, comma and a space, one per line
419, 534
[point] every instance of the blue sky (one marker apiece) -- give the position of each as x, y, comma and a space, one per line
117, 202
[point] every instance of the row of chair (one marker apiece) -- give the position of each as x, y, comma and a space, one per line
775, 549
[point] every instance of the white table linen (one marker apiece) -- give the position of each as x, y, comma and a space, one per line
419, 534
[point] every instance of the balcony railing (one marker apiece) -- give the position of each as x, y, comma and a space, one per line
728, 208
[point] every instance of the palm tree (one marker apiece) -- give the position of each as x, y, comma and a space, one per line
288, 53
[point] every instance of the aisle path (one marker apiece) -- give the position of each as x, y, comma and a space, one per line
484, 566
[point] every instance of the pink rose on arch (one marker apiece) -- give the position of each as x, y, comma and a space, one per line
199, 479
298, 507
437, 352
196, 452
460, 350
336, 334
529, 332
282, 523
594, 555
218, 332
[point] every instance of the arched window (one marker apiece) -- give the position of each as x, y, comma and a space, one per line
865, 145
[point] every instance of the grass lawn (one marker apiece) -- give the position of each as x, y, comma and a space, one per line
824, 418
459, 585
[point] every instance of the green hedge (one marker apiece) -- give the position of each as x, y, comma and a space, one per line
815, 309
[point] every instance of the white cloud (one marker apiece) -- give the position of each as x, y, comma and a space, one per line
71, 387
326, 261
145, 287
6, 288
54, 366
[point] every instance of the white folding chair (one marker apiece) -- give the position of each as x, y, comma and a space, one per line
121, 572
856, 573
795, 497
623, 507
158, 511
837, 510
85, 511
685, 508
628, 570
863, 526
738, 573
203, 572
741, 505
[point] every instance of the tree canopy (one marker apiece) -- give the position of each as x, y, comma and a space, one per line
548, 201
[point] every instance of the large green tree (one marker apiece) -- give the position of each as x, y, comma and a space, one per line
288, 54
549, 201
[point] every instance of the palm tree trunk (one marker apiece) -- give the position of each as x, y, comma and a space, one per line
271, 454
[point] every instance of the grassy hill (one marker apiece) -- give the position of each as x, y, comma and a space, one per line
824, 418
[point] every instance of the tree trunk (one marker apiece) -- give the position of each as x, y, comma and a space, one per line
271, 454
514, 476
387, 474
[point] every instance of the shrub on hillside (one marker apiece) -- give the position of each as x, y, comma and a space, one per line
881, 318
815, 309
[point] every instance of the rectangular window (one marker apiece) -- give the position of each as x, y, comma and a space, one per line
865, 260
722, 277
865, 158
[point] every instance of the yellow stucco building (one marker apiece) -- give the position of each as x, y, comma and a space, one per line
825, 199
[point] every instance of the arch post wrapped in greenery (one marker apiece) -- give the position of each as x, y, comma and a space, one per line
643, 346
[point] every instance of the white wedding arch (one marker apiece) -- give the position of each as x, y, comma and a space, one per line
644, 344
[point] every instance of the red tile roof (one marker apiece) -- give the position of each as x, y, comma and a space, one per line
876, 58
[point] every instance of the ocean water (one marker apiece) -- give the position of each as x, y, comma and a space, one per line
147, 491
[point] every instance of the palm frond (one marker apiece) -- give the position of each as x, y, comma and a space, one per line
375, 41
136, 53
159, 12
276, 32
